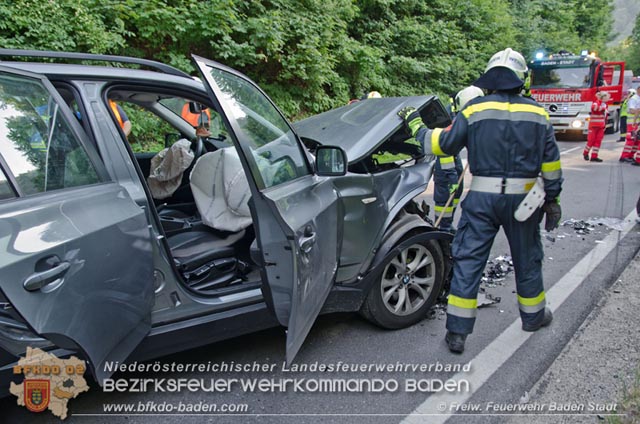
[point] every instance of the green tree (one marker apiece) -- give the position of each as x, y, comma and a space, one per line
63, 25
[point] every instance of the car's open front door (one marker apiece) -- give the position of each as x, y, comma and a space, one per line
75, 251
297, 216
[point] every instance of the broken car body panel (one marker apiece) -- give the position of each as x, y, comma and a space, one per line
361, 127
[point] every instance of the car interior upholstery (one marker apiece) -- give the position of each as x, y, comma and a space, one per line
201, 195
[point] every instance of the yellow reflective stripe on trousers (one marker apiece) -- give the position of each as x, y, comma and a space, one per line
509, 107
435, 142
446, 213
461, 302
447, 162
442, 208
461, 307
532, 304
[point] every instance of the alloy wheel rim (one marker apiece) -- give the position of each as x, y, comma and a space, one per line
408, 280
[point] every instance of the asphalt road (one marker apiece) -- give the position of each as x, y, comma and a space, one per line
592, 190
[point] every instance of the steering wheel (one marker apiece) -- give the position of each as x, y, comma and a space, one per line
197, 147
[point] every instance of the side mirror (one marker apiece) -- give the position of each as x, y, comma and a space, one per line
331, 161
195, 107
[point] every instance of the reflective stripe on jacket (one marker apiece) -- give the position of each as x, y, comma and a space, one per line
506, 136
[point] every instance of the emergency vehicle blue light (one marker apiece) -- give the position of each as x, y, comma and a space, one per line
539, 55
584, 52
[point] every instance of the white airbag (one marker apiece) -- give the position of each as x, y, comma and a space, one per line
167, 168
221, 191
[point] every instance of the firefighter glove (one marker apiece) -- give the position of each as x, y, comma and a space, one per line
553, 214
453, 188
412, 119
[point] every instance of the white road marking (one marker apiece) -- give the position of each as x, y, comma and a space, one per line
493, 356
564, 152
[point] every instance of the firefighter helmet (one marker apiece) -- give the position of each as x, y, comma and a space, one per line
506, 70
467, 94
374, 95
509, 59
632, 91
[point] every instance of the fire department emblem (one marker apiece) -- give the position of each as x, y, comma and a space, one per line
36, 394
49, 382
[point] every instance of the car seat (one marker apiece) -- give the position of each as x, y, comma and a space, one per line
208, 255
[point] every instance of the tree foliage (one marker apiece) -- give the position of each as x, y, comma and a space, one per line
629, 50
312, 55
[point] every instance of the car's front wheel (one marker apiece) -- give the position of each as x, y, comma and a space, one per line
407, 287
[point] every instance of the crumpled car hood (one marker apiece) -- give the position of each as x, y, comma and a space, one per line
359, 128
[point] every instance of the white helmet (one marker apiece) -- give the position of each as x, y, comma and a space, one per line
374, 95
510, 59
632, 91
467, 94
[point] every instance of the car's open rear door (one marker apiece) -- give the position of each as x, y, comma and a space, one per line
75, 252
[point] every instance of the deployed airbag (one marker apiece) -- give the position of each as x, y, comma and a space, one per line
167, 168
221, 191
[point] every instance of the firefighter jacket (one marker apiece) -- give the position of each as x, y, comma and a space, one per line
598, 115
623, 108
506, 136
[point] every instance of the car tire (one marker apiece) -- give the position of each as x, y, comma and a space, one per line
400, 298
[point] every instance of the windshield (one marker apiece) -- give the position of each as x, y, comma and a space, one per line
552, 77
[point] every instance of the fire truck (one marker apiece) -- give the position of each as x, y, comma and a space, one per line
566, 84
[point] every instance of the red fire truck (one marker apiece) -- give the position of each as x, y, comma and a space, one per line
566, 84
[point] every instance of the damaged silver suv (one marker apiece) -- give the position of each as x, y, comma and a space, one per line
206, 216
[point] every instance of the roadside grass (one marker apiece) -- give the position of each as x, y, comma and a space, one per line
629, 405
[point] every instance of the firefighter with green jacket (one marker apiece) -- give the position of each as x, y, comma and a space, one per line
624, 113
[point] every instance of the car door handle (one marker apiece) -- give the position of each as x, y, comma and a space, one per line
38, 280
306, 243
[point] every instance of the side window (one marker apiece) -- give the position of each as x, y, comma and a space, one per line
6, 192
197, 115
147, 129
263, 130
36, 140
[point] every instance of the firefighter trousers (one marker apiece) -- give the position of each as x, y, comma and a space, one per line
623, 128
444, 175
482, 216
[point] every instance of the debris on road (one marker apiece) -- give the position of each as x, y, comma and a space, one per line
581, 227
613, 223
496, 271
586, 226
485, 299
439, 310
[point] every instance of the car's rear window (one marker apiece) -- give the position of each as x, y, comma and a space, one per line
36, 140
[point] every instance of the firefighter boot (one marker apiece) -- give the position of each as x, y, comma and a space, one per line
455, 341
546, 320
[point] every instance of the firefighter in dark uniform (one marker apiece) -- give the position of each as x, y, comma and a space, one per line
448, 169
510, 141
